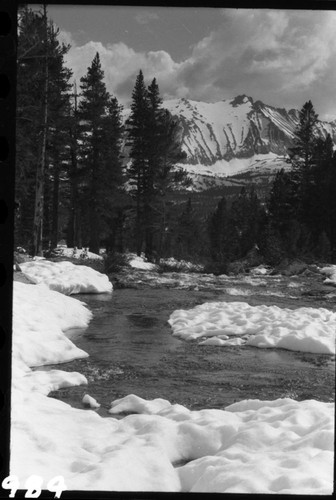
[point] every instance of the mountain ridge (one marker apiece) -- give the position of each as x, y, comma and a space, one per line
236, 128
235, 137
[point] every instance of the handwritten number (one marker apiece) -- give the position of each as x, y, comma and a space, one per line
33, 485
57, 485
11, 483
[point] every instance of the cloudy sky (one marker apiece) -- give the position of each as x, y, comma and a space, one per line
282, 57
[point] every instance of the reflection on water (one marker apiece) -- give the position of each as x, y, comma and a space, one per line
143, 321
131, 328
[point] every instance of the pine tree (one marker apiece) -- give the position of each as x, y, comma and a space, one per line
110, 190
28, 119
155, 149
321, 213
153, 140
323, 249
42, 163
73, 228
283, 213
302, 153
41, 115
271, 244
246, 216
188, 238
217, 232
302, 156
323, 150
99, 155
302, 207
58, 141
169, 145
138, 140
165, 152
164, 177
282, 203
167, 178
224, 236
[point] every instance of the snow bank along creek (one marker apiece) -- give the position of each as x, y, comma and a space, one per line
266, 442
132, 350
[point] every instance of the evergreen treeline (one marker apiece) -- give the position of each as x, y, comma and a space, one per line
299, 218
155, 148
302, 204
42, 111
70, 179
84, 176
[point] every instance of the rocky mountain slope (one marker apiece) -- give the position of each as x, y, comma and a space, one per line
236, 142
238, 128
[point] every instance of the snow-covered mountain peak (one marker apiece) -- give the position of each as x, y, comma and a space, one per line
236, 135
236, 128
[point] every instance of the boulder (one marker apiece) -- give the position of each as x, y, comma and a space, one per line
290, 268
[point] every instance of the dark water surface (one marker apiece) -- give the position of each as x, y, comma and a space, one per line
132, 351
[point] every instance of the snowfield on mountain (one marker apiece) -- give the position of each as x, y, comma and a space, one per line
237, 128
260, 163
234, 136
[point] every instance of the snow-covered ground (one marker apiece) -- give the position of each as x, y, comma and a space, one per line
183, 265
304, 329
40, 316
260, 270
66, 277
250, 447
140, 262
76, 253
253, 446
90, 401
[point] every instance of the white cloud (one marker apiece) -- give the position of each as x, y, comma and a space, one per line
121, 64
278, 56
281, 57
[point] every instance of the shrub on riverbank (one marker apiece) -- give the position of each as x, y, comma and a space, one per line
115, 262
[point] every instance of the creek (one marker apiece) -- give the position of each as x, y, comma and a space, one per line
132, 351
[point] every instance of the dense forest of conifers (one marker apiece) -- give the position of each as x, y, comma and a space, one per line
85, 176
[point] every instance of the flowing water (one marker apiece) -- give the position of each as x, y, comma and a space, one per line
132, 350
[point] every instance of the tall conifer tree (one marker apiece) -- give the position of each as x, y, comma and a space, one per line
155, 149
153, 140
100, 159
28, 119
138, 138
73, 229
302, 153
58, 142
41, 115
